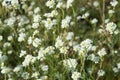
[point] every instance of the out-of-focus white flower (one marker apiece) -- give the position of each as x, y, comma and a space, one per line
30, 40
69, 3
64, 50
35, 74
66, 22
49, 50
10, 38
18, 68
111, 27
102, 52
76, 48
37, 10
36, 42
50, 3
5, 70
70, 36
101, 73
1, 37
95, 3
114, 3
100, 31
91, 57
111, 11
94, 21
87, 44
85, 15
22, 53
70, 63
27, 60
26, 75
49, 23
54, 13
115, 69
59, 42
41, 54
44, 67
35, 25
76, 75
59, 5
11, 3
118, 65
36, 18
10, 52
10, 21
3, 58
21, 37
7, 44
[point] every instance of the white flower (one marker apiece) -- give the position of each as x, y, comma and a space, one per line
76, 75
44, 67
87, 44
85, 15
94, 21
70, 63
35, 25
35, 74
65, 22
76, 48
21, 37
26, 75
5, 70
114, 3
36, 18
18, 68
100, 31
118, 65
30, 40
41, 54
10, 22
49, 23
11, 3
10, 38
101, 73
36, 42
54, 13
70, 36
15, 3
27, 60
91, 57
6, 3
115, 69
49, 50
95, 3
7, 44
69, 3
64, 50
50, 3
10, 52
3, 58
59, 42
36, 10
111, 27
1, 37
22, 53
82, 52
111, 11
102, 52
59, 5
33, 60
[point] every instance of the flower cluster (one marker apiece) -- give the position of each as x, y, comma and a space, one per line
59, 40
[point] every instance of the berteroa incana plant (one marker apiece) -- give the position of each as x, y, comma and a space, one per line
59, 40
